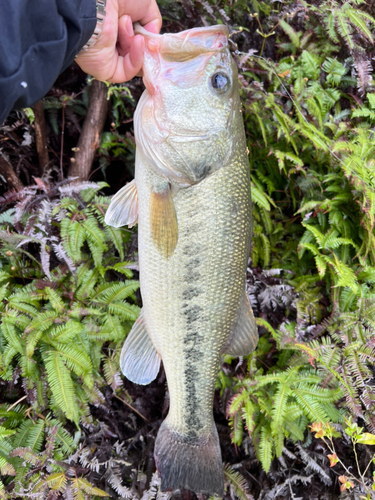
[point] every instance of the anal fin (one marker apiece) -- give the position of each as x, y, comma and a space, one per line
139, 361
163, 220
245, 335
123, 209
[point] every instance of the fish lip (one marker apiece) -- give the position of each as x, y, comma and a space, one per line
194, 42
217, 28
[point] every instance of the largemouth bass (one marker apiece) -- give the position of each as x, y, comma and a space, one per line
191, 199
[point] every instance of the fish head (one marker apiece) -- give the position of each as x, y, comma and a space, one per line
185, 117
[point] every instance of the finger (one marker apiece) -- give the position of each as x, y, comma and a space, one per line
125, 34
128, 66
153, 26
152, 20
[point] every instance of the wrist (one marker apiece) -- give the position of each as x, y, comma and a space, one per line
100, 17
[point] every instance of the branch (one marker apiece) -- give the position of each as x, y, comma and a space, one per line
7, 172
91, 132
40, 137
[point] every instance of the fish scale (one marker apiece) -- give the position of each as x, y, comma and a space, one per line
194, 231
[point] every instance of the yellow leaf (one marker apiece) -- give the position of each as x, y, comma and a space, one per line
57, 481
366, 438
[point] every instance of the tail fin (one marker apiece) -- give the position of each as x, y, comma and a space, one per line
193, 464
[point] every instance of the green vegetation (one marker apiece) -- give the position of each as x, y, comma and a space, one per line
327, 432
56, 317
309, 119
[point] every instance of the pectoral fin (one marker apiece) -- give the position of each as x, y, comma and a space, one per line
123, 209
245, 336
163, 220
139, 361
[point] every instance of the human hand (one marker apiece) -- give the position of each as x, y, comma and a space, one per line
117, 55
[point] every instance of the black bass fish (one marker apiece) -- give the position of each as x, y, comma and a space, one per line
191, 199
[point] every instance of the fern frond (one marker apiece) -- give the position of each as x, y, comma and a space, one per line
20, 438
81, 486
95, 239
6, 469
279, 407
259, 197
123, 268
313, 465
359, 19
363, 69
67, 332
237, 482
112, 373
4, 432
311, 406
55, 300
265, 447
64, 257
11, 336
36, 328
343, 28
57, 481
62, 438
116, 237
75, 358
128, 312
35, 435
116, 292
74, 238
330, 24
320, 394
27, 454
61, 383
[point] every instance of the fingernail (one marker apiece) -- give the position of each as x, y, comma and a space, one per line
152, 27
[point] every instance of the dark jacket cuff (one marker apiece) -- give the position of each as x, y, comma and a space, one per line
80, 29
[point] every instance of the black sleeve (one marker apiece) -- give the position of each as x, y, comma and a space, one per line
38, 40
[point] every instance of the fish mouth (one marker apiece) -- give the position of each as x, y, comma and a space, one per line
168, 52
188, 44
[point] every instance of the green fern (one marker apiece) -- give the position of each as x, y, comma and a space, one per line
54, 328
237, 482
349, 356
280, 405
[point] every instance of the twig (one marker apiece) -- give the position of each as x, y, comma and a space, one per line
62, 141
130, 406
7, 172
356, 461
16, 403
40, 137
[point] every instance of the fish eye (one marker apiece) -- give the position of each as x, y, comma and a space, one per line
220, 82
